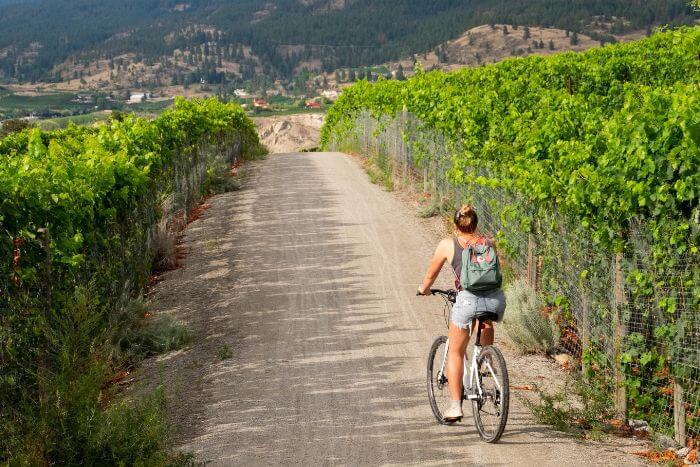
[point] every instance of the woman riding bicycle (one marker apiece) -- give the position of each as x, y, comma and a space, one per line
469, 304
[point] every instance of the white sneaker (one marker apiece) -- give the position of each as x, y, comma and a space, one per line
453, 414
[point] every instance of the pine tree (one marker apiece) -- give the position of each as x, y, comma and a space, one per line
505, 30
400, 75
551, 45
574, 39
526, 33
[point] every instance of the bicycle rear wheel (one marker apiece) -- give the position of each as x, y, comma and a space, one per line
438, 390
491, 410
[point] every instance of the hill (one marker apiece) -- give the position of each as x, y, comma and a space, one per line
220, 41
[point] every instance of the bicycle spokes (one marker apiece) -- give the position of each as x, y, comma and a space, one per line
491, 406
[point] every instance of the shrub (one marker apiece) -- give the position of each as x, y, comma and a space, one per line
526, 325
139, 336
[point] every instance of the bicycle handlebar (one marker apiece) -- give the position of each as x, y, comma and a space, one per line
449, 294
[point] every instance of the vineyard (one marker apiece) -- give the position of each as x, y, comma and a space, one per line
86, 215
586, 167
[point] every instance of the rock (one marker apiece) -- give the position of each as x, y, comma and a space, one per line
563, 360
666, 442
637, 424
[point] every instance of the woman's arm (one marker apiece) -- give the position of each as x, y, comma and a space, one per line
441, 255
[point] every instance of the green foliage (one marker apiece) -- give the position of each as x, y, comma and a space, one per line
78, 209
623, 145
594, 151
648, 381
580, 407
62, 417
584, 404
224, 352
138, 335
525, 323
379, 169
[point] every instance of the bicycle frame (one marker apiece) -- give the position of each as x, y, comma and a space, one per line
470, 375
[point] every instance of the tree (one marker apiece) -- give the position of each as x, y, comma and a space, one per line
551, 45
505, 30
352, 77
12, 126
400, 75
526, 33
574, 39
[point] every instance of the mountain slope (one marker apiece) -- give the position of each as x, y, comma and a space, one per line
37, 36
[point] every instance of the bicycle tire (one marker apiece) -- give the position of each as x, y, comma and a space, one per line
498, 364
434, 392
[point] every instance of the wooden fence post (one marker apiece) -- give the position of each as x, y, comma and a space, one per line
679, 427
425, 179
45, 241
620, 331
585, 328
531, 273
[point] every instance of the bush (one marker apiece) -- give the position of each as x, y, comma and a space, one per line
526, 325
139, 336
80, 211
582, 406
73, 421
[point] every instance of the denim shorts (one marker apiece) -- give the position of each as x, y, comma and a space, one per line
470, 305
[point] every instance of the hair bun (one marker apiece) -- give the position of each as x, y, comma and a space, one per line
466, 209
466, 219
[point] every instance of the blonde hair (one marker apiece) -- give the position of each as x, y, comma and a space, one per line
466, 219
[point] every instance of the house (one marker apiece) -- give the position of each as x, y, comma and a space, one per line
330, 94
313, 105
241, 94
138, 98
261, 104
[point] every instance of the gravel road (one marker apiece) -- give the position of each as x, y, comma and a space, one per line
308, 277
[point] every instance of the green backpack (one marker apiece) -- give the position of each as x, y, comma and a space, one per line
480, 268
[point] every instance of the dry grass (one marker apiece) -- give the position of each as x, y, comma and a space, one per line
525, 324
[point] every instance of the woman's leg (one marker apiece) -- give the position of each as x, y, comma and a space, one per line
486, 333
459, 338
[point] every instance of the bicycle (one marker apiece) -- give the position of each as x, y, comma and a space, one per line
487, 365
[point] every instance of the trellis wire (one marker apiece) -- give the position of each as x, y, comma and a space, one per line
599, 311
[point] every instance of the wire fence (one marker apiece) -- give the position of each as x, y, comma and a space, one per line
629, 325
119, 256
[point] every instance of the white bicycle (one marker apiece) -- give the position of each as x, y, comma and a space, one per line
485, 381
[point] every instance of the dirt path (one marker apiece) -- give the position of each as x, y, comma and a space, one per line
308, 276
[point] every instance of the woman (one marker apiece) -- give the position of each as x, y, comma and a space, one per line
468, 305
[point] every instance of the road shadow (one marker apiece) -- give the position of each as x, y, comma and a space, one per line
295, 358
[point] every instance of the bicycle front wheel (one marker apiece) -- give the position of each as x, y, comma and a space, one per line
491, 409
438, 390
